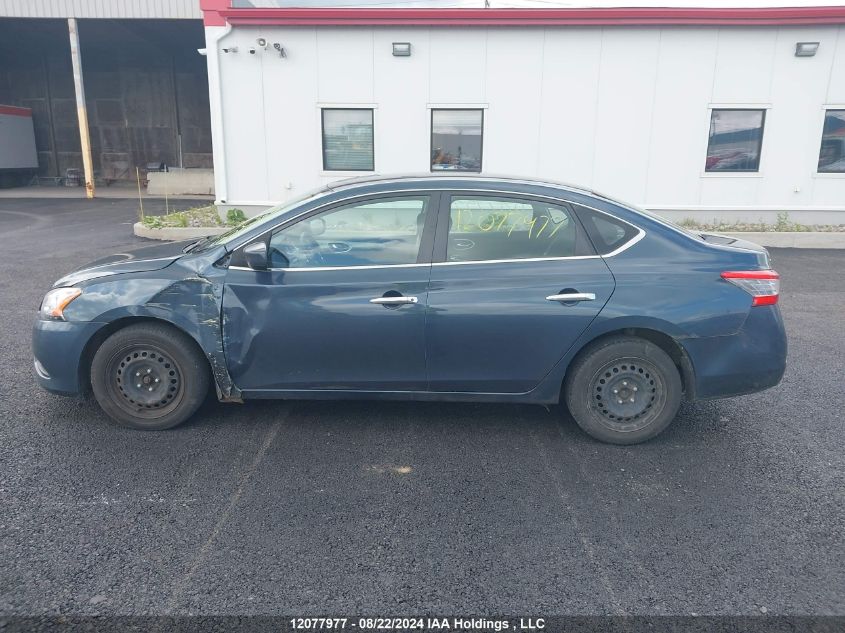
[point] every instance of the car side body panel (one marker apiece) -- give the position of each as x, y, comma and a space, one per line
318, 329
666, 282
491, 328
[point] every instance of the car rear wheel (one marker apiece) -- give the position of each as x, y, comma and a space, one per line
623, 390
149, 376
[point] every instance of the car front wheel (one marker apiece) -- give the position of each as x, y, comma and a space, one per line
623, 390
149, 376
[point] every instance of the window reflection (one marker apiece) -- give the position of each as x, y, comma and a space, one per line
347, 140
499, 228
383, 232
456, 139
736, 137
832, 152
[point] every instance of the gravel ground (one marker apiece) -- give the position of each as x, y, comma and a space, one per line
402, 508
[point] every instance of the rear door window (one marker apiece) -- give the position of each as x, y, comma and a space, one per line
483, 228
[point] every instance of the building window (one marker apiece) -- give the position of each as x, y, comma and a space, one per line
456, 140
832, 152
348, 140
736, 137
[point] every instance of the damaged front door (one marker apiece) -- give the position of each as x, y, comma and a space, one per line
342, 305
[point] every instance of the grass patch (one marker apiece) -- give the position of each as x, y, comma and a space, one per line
196, 217
783, 224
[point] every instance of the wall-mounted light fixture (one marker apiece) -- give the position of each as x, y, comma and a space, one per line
806, 49
401, 49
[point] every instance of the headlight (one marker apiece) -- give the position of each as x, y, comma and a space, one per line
55, 301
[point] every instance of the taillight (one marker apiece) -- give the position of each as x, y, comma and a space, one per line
762, 285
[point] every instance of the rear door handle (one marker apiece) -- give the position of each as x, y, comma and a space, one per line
572, 297
394, 300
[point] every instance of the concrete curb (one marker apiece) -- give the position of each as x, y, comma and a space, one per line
793, 239
176, 233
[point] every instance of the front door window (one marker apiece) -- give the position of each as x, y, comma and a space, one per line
381, 232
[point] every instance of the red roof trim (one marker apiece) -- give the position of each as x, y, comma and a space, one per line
16, 111
535, 17
211, 12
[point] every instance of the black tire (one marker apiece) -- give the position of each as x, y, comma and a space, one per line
623, 390
169, 377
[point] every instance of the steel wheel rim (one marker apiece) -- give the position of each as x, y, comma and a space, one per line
627, 394
144, 381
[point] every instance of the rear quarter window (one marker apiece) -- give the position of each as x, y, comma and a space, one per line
606, 232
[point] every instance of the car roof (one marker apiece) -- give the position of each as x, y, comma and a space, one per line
375, 179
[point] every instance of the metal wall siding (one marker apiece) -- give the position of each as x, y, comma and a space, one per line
623, 110
116, 9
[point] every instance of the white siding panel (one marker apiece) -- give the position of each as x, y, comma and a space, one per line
836, 88
729, 192
243, 115
623, 125
345, 65
679, 122
458, 62
623, 110
291, 119
514, 82
571, 62
829, 192
744, 65
793, 130
401, 92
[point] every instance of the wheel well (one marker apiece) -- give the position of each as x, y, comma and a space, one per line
103, 333
665, 342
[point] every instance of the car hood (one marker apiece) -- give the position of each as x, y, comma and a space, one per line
147, 258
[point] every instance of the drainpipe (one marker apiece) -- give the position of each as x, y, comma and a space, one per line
213, 35
81, 111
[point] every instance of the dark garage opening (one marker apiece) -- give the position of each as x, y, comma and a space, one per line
146, 90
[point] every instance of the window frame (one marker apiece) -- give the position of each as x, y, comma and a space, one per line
826, 174
441, 241
736, 107
431, 168
332, 171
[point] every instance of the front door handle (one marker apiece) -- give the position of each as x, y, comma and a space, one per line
394, 300
572, 297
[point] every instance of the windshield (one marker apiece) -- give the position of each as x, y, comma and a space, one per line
280, 209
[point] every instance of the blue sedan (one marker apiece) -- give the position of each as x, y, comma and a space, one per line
459, 288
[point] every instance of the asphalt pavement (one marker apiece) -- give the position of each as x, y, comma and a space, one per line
401, 508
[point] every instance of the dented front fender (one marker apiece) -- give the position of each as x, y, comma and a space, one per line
188, 294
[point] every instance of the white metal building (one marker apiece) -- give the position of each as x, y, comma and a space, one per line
729, 113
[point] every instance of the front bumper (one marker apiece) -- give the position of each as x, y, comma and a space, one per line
58, 347
751, 360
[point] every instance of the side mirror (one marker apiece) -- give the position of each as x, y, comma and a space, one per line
255, 255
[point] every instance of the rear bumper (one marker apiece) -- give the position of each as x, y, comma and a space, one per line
751, 360
58, 347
